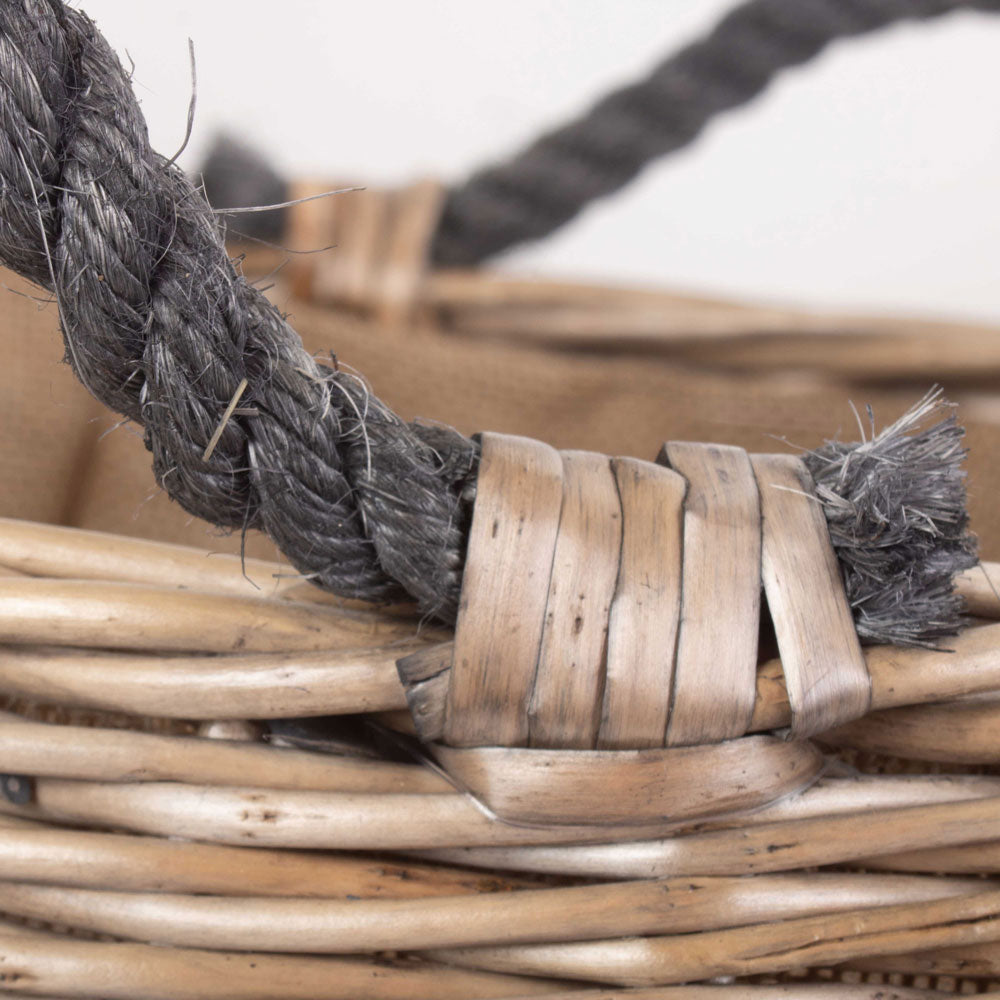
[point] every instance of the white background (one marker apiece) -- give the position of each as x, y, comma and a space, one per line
867, 179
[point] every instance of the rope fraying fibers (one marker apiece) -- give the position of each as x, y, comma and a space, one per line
161, 326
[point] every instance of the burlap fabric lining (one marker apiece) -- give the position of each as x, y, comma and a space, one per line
68, 460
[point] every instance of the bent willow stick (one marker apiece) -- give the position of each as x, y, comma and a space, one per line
317, 926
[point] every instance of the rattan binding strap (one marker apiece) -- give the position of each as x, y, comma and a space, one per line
613, 604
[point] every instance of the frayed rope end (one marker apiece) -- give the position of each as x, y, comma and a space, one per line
896, 508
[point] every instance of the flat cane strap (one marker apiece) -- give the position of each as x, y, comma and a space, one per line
615, 604
565, 708
381, 239
715, 675
505, 591
825, 671
645, 612
585, 787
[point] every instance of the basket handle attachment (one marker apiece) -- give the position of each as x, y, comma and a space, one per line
615, 604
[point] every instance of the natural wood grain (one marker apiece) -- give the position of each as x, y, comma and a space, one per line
582, 913
404, 258
427, 701
242, 686
135, 616
764, 948
826, 676
901, 676
301, 819
505, 587
565, 707
645, 611
45, 854
797, 990
973, 961
425, 676
714, 678
826, 840
85, 752
52, 965
951, 732
50, 550
906, 812
980, 586
637, 786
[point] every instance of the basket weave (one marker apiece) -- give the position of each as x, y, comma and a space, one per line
158, 817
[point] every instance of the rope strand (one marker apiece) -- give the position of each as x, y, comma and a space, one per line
161, 327
553, 179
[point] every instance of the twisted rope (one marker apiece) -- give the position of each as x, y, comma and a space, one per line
552, 180
161, 327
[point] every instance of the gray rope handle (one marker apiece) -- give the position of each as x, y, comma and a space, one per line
552, 180
161, 327
248, 431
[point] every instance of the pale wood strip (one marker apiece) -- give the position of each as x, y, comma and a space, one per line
37, 549
38, 748
645, 612
980, 586
263, 817
357, 222
715, 675
309, 226
753, 846
826, 676
632, 786
951, 732
763, 948
565, 707
426, 701
425, 676
504, 591
52, 550
745, 991
136, 616
325, 926
980, 858
404, 255
37, 852
247, 686
974, 961
52, 965
902, 676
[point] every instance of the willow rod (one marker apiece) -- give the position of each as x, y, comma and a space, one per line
758, 847
763, 948
50, 965
581, 913
300, 819
113, 615
323, 820
348, 681
746, 991
33, 852
229, 686
38, 748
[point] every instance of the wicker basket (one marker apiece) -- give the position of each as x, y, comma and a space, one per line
150, 806
148, 812
219, 783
